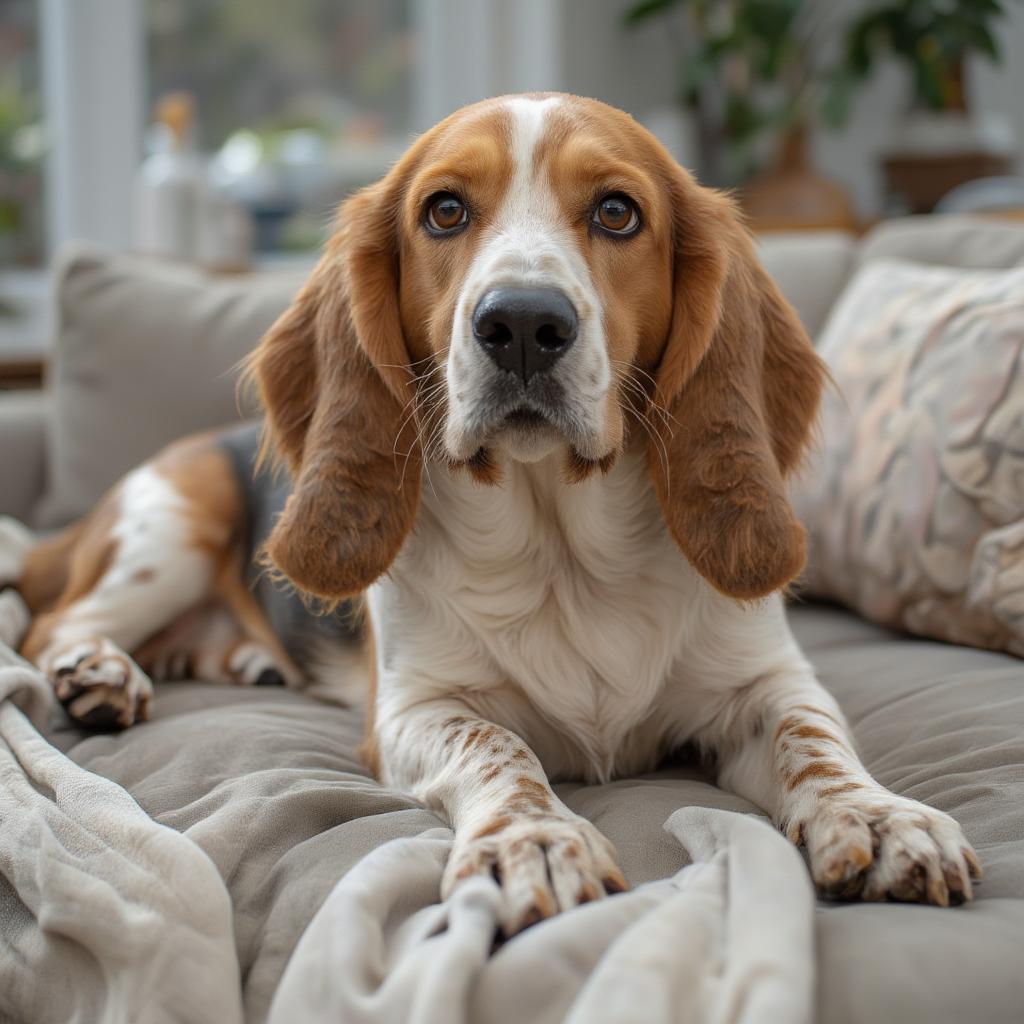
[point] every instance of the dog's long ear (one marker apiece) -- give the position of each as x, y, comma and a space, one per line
742, 384
331, 379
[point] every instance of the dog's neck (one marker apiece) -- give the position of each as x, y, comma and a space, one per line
610, 524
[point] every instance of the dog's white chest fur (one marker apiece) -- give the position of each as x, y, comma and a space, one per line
555, 610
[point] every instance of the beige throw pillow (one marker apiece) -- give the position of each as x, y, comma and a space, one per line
915, 502
144, 352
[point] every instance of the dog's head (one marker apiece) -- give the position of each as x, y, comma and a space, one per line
538, 274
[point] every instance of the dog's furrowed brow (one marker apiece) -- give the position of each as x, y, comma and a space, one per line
474, 166
593, 169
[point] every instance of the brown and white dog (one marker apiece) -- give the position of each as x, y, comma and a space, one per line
538, 401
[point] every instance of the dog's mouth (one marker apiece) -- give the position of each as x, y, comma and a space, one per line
526, 418
525, 423
526, 433
529, 434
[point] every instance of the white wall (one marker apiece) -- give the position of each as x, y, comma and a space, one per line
471, 49
635, 69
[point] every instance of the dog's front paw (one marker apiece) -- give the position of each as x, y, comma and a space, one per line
884, 847
99, 685
544, 864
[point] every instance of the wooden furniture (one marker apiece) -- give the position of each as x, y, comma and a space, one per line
22, 374
921, 180
795, 196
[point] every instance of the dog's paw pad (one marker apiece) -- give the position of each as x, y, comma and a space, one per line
99, 685
269, 677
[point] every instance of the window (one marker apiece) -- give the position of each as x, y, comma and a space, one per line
298, 102
22, 227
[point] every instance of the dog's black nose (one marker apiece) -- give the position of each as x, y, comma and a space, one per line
525, 330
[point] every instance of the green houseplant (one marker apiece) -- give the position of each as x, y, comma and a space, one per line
930, 38
757, 71
20, 175
747, 69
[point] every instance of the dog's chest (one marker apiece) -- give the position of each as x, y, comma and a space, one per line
562, 608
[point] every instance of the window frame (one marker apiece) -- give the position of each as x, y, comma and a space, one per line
93, 98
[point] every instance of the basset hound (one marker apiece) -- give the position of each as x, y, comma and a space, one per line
536, 406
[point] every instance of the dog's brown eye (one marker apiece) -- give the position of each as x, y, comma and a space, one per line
446, 213
617, 214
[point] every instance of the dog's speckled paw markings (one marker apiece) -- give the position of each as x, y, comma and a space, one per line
99, 685
544, 865
889, 848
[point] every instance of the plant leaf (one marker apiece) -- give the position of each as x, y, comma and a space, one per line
645, 9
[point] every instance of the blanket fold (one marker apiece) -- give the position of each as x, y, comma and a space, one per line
728, 938
120, 918
109, 916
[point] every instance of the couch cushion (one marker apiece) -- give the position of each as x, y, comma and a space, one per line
944, 725
268, 784
915, 501
810, 268
982, 243
145, 352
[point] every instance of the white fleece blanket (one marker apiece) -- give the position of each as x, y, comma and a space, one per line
109, 916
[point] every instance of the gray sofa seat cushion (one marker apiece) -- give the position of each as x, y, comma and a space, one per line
269, 785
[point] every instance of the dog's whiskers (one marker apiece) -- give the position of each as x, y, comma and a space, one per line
426, 393
645, 422
625, 371
417, 401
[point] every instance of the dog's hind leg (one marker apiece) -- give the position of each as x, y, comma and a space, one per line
149, 552
210, 643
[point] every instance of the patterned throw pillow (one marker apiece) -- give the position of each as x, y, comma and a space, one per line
914, 503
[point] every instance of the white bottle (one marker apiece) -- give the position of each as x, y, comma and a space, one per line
224, 235
170, 185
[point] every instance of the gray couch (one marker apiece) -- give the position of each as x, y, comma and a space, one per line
268, 783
